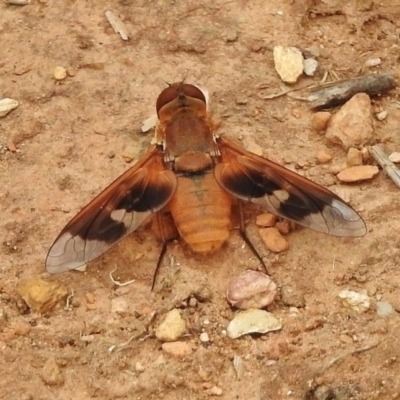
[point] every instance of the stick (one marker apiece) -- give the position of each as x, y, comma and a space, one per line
383, 160
337, 93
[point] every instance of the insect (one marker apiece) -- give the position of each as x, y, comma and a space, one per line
197, 180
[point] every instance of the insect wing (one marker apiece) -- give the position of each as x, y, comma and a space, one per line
285, 193
116, 212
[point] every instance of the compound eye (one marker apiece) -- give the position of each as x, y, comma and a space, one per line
177, 90
166, 96
193, 91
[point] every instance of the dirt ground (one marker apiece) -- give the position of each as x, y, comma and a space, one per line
75, 137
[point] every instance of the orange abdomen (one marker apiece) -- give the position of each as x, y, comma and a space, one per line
201, 210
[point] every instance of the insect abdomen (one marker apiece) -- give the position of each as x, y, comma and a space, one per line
201, 210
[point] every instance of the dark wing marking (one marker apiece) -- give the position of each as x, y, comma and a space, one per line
116, 212
285, 193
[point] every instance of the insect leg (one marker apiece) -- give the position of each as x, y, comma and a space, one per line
160, 259
166, 232
243, 234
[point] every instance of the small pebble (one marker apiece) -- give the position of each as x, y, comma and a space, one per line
357, 301
383, 308
323, 157
284, 226
215, 391
231, 35
292, 297
60, 73
71, 71
119, 306
51, 374
139, 367
172, 327
395, 157
177, 349
90, 299
204, 337
381, 115
7, 105
373, 62
128, 157
310, 65
320, 120
266, 220
18, 2
288, 63
21, 328
357, 174
252, 321
352, 125
273, 240
192, 302
314, 50
251, 289
354, 157
40, 295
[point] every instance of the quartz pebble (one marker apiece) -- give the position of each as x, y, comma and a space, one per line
252, 321
288, 63
310, 65
252, 289
373, 62
7, 105
172, 327
352, 125
359, 302
395, 157
273, 240
204, 337
358, 173
381, 115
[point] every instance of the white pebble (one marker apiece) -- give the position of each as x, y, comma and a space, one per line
139, 367
7, 105
395, 157
383, 308
204, 337
373, 62
252, 321
310, 65
381, 115
357, 301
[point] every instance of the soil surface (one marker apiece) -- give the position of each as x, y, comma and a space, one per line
69, 139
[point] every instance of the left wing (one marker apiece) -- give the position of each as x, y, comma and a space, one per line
116, 212
285, 193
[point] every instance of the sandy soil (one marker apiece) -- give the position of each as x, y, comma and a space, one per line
76, 136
